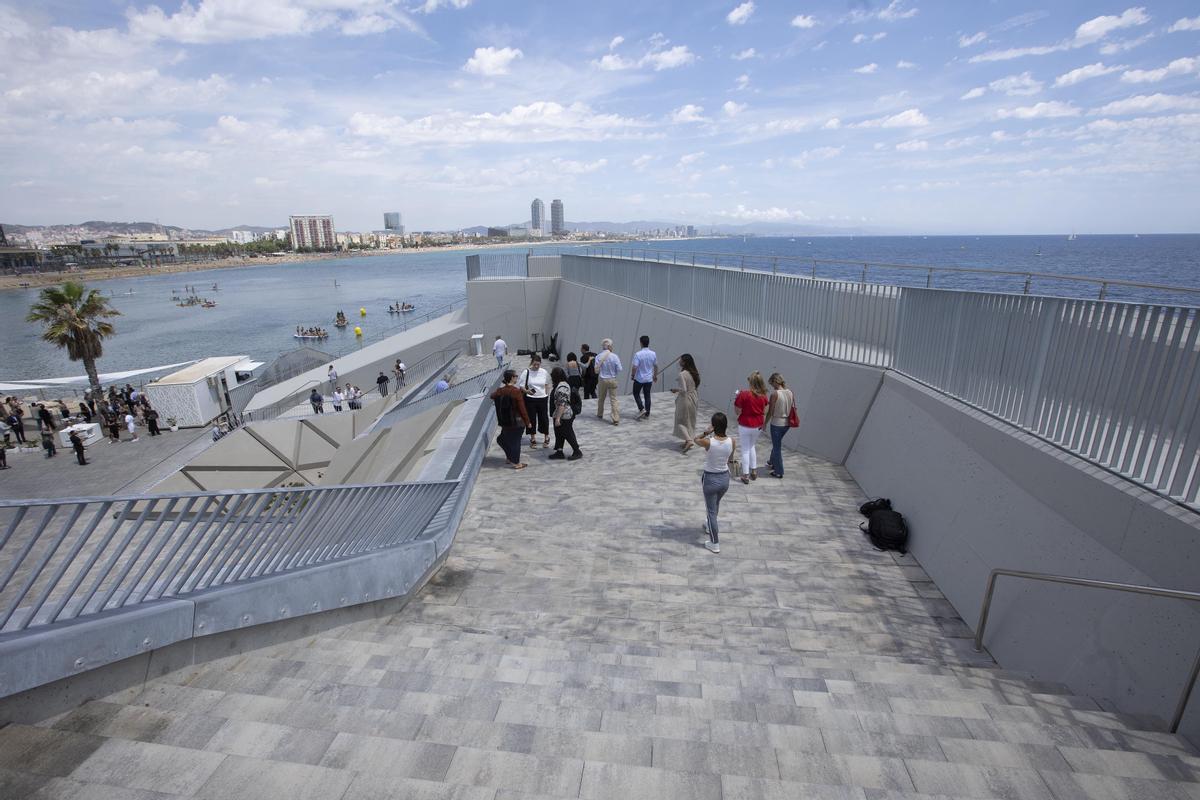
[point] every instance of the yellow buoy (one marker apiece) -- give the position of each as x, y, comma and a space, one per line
357, 331
362, 312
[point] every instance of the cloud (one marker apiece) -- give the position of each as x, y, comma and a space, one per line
832, 124
616, 42
431, 6
978, 91
689, 113
902, 64
741, 14
1096, 29
214, 21
862, 37
805, 21
772, 214
643, 161
678, 56
732, 109
1080, 74
868, 69
492, 61
1112, 48
1049, 110
913, 146
1016, 85
688, 159
659, 57
911, 118
1180, 66
564, 166
1090, 32
743, 81
816, 154
611, 62
540, 121
1185, 24
749, 52
973, 39
1152, 103
895, 10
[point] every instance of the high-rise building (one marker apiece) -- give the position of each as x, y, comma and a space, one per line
556, 218
537, 216
312, 231
391, 222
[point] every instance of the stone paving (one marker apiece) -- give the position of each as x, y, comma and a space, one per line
581, 642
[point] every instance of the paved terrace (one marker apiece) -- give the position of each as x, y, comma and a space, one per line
581, 642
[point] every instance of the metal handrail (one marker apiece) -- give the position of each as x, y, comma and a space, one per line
739, 263
1175, 594
400, 326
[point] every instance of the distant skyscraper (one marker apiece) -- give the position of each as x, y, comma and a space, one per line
311, 231
537, 215
556, 217
391, 222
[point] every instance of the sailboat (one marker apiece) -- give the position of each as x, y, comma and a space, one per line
1072, 237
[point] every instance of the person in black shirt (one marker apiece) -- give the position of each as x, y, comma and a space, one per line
152, 421
382, 383
587, 360
77, 444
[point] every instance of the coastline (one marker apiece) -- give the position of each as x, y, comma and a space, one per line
41, 279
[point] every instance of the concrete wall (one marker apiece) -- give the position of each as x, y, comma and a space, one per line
513, 309
832, 398
979, 495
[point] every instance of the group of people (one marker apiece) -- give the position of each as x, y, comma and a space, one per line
114, 411
399, 307
531, 401
348, 396
313, 332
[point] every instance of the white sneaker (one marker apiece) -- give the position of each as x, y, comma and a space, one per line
712, 547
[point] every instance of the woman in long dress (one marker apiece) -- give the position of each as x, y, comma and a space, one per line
686, 397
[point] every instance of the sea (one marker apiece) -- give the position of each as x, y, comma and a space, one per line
258, 308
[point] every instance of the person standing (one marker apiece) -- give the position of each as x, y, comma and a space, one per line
332, 377
337, 398
89, 401
131, 426
77, 445
48, 443
686, 399
499, 350
14, 421
45, 418
316, 401
511, 417
85, 411
751, 404
535, 382
779, 411
587, 360
114, 425
608, 367
564, 416
382, 383
152, 421
645, 373
714, 480
398, 372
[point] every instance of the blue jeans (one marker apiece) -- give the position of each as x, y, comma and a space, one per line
714, 484
641, 390
776, 459
499, 361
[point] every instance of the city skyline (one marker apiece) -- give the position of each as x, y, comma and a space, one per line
898, 115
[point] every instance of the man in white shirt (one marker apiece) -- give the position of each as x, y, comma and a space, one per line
645, 372
608, 367
332, 377
500, 350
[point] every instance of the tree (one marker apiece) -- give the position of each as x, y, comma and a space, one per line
74, 317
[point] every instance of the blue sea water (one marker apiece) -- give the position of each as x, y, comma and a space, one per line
258, 308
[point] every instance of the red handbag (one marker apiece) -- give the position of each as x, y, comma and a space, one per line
793, 417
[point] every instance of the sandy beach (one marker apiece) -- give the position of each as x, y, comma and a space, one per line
110, 273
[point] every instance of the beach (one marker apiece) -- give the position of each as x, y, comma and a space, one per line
37, 279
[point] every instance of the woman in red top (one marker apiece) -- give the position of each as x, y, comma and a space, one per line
752, 406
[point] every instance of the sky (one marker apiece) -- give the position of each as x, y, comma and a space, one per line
905, 116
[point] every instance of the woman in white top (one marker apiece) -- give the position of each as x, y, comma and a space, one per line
715, 479
534, 382
778, 410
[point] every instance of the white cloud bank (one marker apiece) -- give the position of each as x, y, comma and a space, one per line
1090, 32
741, 15
492, 61
1085, 73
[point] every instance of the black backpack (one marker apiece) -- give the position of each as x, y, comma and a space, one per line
871, 506
506, 412
887, 530
576, 403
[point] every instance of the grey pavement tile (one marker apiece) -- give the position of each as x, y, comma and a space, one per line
737, 787
1129, 765
716, 758
1003, 754
368, 786
67, 789
239, 778
643, 783
846, 770
525, 773
1080, 786
45, 751
143, 765
891, 745
271, 742
424, 760
965, 780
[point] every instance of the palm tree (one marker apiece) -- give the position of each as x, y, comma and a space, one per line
73, 317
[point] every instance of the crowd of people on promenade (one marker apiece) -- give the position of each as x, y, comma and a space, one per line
533, 401
350, 396
114, 411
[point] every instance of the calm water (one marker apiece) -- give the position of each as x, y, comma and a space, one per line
259, 307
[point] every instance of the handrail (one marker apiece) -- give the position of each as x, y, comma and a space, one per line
737, 258
1176, 594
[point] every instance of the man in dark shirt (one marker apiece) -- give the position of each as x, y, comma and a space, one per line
382, 383
317, 401
77, 444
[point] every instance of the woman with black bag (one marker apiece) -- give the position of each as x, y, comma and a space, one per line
587, 360
564, 416
535, 382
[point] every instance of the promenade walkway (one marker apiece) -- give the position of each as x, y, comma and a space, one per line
581, 642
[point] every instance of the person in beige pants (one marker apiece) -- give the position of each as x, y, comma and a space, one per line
608, 367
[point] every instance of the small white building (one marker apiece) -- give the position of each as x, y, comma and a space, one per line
198, 394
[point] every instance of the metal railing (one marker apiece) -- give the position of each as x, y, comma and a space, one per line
1023, 281
1115, 383
69, 559
485, 266
469, 387
1154, 591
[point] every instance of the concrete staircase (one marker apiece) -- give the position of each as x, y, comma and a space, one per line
576, 647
